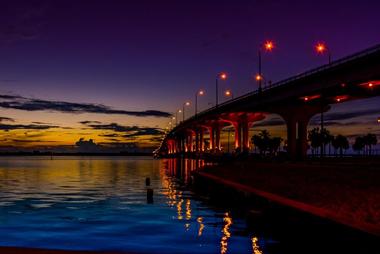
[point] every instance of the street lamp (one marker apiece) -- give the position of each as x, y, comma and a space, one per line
378, 119
176, 116
321, 49
228, 93
200, 93
222, 76
183, 109
268, 46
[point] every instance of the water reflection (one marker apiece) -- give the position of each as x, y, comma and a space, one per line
255, 246
95, 204
226, 233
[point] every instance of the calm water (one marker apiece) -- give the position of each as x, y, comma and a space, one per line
95, 203
100, 204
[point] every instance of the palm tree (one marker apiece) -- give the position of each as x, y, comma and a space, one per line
261, 141
265, 143
315, 139
275, 144
340, 142
359, 144
370, 140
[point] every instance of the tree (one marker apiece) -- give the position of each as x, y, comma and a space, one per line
315, 139
359, 144
275, 144
340, 142
265, 143
370, 140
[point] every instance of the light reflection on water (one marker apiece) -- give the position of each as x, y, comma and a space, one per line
100, 204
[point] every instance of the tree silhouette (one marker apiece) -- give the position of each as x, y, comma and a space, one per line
319, 138
265, 143
340, 142
315, 139
370, 140
359, 144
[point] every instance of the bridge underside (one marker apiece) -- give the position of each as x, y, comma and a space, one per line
296, 101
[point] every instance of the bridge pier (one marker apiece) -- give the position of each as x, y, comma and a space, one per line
297, 120
242, 122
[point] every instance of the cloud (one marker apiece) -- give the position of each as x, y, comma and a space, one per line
87, 145
29, 104
32, 141
9, 127
350, 115
271, 122
2, 119
89, 122
128, 131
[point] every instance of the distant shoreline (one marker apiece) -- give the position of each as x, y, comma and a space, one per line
74, 154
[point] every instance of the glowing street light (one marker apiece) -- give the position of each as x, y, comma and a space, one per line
220, 76
199, 93
228, 93
176, 116
321, 49
378, 119
268, 46
183, 109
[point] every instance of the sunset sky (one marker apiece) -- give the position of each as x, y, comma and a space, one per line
114, 71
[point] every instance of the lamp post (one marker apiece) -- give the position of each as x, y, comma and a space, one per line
183, 109
176, 116
200, 93
321, 48
267, 46
228, 93
222, 76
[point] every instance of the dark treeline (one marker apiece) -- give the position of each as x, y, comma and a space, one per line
321, 139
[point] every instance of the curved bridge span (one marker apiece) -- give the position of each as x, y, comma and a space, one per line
296, 100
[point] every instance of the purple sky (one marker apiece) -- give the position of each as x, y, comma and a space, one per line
153, 55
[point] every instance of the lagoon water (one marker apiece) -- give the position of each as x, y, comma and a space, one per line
99, 203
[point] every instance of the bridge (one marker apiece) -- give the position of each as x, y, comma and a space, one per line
296, 100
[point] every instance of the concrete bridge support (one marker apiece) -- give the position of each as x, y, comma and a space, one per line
242, 122
214, 128
199, 140
297, 120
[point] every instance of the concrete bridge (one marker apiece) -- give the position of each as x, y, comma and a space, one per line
296, 100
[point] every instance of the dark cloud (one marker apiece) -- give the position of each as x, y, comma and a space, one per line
2, 119
89, 122
350, 115
8, 127
110, 135
271, 122
87, 145
128, 131
28, 104
32, 141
